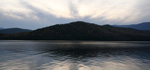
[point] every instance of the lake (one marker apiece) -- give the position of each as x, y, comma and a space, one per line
74, 55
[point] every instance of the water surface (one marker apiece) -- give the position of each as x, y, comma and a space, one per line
74, 55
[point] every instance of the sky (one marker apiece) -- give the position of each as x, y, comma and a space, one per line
33, 14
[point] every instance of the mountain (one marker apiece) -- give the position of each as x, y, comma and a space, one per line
141, 26
1, 28
147, 31
13, 30
81, 31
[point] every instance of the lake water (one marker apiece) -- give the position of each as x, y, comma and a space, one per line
74, 55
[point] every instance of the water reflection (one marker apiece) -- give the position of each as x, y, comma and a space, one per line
62, 55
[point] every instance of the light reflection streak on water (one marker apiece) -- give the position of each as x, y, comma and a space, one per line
31, 63
39, 55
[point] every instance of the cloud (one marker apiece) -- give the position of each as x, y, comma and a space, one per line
14, 9
58, 8
58, 11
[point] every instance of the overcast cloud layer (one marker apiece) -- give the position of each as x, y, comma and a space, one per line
40, 13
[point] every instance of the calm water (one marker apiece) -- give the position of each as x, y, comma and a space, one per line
74, 55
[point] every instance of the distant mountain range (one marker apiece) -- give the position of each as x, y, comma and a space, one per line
145, 26
81, 31
1, 28
13, 30
141, 26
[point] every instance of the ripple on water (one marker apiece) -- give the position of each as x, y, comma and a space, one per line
70, 55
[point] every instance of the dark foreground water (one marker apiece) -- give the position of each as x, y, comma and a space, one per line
74, 55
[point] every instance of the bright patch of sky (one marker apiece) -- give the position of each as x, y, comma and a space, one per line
39, 13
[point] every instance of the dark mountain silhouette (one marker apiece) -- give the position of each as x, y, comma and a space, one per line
13, 30
147, 31
82, 31
141, 26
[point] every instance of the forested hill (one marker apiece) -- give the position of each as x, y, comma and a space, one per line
82, 31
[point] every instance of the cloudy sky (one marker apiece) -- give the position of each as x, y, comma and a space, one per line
33, 14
